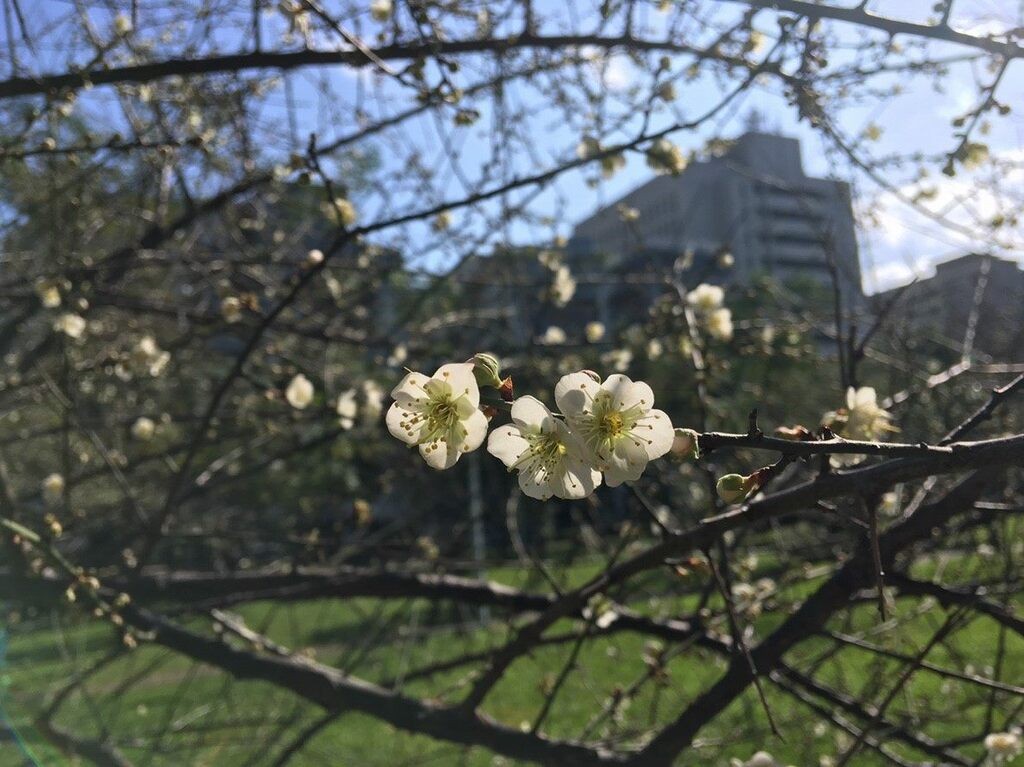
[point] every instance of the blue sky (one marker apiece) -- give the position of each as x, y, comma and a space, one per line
896, 242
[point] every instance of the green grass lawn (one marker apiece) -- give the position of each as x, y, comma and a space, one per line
165, 710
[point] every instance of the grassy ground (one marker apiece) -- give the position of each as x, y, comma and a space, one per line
168, 711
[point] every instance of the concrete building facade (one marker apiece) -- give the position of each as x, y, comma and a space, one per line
754, 201
974, 304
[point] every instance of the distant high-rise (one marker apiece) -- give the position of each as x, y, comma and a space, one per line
974, 303
754, 201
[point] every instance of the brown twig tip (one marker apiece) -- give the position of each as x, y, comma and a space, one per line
753, 430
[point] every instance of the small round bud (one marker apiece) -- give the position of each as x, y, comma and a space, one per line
487, 370
733, 488
685, 444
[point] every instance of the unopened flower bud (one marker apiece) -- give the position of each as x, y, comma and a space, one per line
487, 370
685, 445
733, 488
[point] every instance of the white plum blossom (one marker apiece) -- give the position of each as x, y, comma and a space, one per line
53, 489
231, 309
627, 213
553, 336
441, 222
398, 355
1003, 747
381, 10
563, 287
665, 157
590, 147
759, 759
618, 360
549, 459
719, 324
551, 259
299, 392
439, 414
344, 210
615, 423
148, 357
49, 293
71, 325
122, 24
347, 409
705, 298
864, 418
143, 429
594, 331
373, 399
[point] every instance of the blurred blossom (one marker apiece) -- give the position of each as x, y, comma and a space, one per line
373, 399
71, 325
347, 408
231, 309
398, 355
49, 293
553, 336
53, 489
705, 298
719, 324
665, 157
143, 429
1003, 747
594, 331
618, 360
148, 357
300, 392
563, 287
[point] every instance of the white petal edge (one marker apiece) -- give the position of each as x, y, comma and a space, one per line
459, 375
476, 429
397, 414
506, 443
659, 436
574, 393
531, 414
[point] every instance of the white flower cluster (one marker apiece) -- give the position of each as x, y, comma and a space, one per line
760, 759
605, 431
862, 419
563, 284
1004, 747
706, 302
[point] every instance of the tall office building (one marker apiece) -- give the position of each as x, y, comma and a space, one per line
753, 201
973, 304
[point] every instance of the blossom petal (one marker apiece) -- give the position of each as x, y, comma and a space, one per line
476, 429
440, 455
506, 443
410, 390
574, 393
626, 463
627, 393
578, 480
459, 375
656, 433
535, 483
396, 417
531, 414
